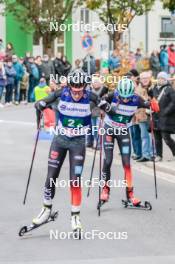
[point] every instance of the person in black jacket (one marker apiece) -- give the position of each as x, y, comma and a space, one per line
58, 66
164, 121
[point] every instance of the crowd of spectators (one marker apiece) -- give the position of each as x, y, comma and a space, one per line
21, 77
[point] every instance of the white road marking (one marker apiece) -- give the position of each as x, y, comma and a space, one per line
17, 122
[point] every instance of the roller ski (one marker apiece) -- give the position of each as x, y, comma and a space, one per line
135, 203
104, 197
43, 218
76, 226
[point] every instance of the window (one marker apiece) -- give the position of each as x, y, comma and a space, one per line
84, 15
167, 28
59, 44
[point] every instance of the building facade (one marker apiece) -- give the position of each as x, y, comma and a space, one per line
147, 32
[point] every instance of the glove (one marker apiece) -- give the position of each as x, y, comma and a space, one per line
155, 105
104, 105
40, 105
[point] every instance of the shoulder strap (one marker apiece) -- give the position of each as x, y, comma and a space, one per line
161, 94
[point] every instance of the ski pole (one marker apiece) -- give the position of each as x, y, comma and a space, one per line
93, 164
92, 169
33, 157
100, 170
153, 145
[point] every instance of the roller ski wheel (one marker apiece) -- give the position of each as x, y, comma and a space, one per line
77, 234
25, 229
144, 206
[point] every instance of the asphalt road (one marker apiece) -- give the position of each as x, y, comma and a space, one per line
150, 234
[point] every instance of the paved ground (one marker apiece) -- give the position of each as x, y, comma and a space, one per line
150, 234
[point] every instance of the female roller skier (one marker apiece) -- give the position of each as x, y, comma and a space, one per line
74, 104
125, 103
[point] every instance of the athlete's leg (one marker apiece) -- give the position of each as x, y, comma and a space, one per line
108, 143
124, 144
76, 157
56, 158
57, 155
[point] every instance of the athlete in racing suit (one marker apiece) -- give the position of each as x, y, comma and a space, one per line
125, 103
74, 104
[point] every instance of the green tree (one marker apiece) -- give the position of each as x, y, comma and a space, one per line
170, 4
118, 12
35, 16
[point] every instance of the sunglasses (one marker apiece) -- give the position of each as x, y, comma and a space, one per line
125, 99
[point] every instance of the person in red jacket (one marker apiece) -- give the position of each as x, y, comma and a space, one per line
171, 58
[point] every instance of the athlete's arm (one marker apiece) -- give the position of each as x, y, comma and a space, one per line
47, 101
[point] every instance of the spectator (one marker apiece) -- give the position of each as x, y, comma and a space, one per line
38, 62
19, 74
53, 87
138, 54
77, 64
9, 51
99, 89
163, 57
135, 129
132, 60
2, 50
26, 59
154, 63
66, 65
40, 91
58, 66
114, 61
142, 118
171, 59
89, 64
11, 74
2, 81
24, 85
47, 68
32, 69
164, 121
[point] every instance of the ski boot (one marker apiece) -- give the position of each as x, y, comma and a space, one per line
76, 226
104, 197
133, 202
44, 217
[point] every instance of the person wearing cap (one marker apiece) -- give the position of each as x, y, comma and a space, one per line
164, 121
74, 104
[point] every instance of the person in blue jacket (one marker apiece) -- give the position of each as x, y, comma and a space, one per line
163, 57
19, 74
11, 74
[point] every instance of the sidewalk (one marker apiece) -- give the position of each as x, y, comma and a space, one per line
163, 166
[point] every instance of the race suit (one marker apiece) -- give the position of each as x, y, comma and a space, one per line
116, 127
73, 123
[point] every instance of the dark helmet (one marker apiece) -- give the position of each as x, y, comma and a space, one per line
77, 78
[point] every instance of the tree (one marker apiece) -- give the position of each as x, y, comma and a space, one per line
118, 13
170, 4
36, 15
